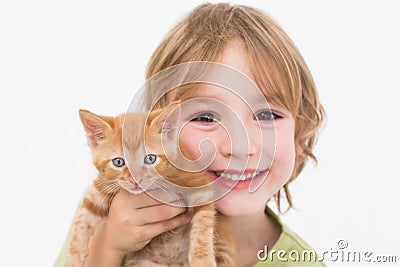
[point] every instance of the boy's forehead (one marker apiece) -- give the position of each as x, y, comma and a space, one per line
235, 55
251, 96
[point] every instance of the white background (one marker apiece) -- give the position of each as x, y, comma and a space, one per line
57, 57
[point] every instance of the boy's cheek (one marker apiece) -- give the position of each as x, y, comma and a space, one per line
200, 145
190, 141
285, 147
285, 154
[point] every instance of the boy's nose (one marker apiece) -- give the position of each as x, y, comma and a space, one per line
242, 143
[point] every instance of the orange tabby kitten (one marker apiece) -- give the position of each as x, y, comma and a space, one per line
204, 242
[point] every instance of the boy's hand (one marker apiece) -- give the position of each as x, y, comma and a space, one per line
132, 222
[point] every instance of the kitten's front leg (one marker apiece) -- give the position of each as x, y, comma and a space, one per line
225, 252
83, 229
201, 250
224, 242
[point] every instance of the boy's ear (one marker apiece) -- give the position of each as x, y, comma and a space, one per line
96, 127
166, 120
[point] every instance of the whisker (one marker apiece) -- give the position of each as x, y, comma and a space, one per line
170, 195
109, 188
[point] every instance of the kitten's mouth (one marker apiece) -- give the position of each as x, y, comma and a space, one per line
136, 190
238, 177
131, 187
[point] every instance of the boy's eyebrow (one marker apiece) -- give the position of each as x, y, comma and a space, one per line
252, 99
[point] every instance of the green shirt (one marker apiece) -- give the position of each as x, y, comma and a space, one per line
289, 250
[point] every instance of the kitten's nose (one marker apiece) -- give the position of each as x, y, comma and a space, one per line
135, 181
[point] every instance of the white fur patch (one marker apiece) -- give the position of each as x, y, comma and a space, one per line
200, 198
91, 219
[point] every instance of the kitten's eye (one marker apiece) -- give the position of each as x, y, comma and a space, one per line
205, 117
266, 115
150, 159
118, 162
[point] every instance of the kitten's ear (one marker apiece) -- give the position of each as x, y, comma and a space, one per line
166, 120
96, 127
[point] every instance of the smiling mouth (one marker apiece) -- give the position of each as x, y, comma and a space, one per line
238, 177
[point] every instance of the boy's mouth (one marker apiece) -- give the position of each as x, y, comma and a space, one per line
237, 177
234, 179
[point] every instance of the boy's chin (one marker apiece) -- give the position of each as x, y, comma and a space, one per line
233, 208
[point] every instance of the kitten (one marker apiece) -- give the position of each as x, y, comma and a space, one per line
203, 242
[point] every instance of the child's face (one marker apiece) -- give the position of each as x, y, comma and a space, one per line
256, 157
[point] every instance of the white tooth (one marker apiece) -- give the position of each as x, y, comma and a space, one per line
236, 177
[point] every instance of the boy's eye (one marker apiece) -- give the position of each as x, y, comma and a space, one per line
266, 115
118, 162
205, 117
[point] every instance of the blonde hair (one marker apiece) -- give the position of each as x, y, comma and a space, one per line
277, 66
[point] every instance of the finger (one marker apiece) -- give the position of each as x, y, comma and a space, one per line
166, 196
128, 200
158, 213
158, 228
